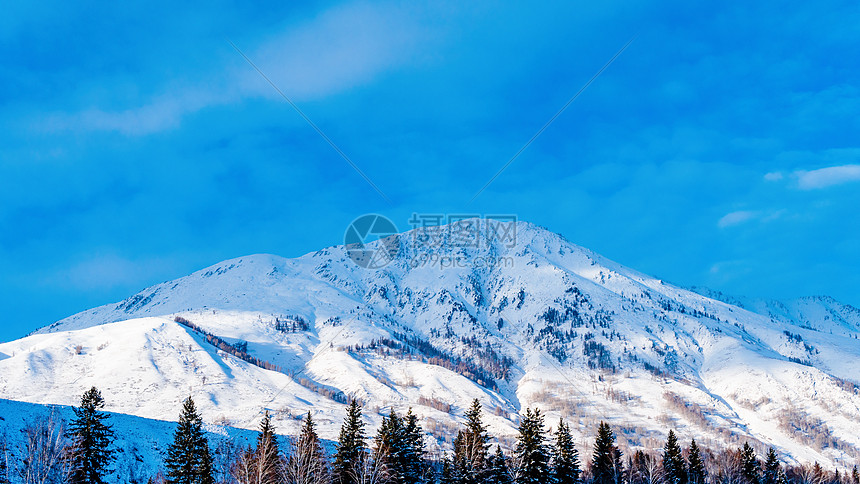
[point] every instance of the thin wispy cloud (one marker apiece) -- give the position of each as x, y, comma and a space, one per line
774, 176
165, 112
340, 49
827, 177
343, 48
736, 218
741, 217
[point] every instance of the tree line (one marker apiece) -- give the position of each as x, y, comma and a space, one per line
83, 453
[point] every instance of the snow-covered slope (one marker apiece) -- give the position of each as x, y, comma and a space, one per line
820, 313
539, 322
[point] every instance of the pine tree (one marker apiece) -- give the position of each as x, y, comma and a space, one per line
471, 447
267, 458
565, 467
696, 472
749, 465
606, 460
449, 474
430, 473
307, 462
309, 436
188, 458
477, 431
351, 447
497, 469
92, 440
772, 468
390, 447
855, 476
674, 468
459, 461
414, 467
532, 453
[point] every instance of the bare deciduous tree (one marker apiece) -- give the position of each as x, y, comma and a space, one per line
644, 468
45, 453
305, 465
727, 468
808, 474
5, 462
371, 469
243, 469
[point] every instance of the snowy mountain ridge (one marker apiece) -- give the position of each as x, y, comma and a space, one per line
537, 322
804, 311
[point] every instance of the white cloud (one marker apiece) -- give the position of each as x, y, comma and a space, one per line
340, 49
161, 114
735, 218
344, 47
827, 177
744, 216
774, 176
775, 215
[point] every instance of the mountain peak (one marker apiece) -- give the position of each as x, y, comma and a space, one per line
519, 317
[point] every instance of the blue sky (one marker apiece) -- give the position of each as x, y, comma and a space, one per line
720, 149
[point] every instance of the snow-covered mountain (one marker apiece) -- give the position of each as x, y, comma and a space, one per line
538, 321
819, 313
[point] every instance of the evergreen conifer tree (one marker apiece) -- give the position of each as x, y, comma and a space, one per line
449, 474
459, 459
430, 473
696, 472
497, 469
351, 447
532, 453
606, 460
565, 466
92, 440
855, 476
267, 456
674, 468
390, 448
188, 458
477, 431
773, 473
414, 467
749, 465
471, 447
